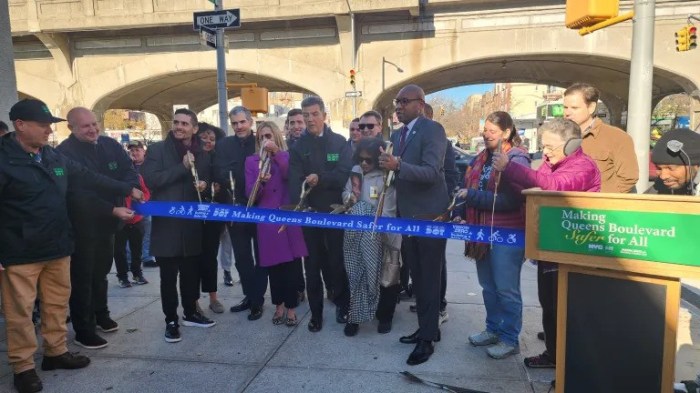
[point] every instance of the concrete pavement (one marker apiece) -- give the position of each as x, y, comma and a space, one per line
237, 355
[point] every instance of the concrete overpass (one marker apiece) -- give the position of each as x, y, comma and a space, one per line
144, 55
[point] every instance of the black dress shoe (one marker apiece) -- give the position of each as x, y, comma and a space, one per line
27, 382
384, 327
421, 353
413, 338
315, 325
255, 313
242, 306
341, 315
351, 329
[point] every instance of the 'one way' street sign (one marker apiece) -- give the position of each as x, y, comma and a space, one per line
227, 19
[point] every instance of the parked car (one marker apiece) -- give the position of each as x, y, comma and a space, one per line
463, 159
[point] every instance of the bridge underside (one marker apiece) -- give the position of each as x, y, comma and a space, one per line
610, 75
197, 89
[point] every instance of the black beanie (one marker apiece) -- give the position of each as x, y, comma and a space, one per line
662, 155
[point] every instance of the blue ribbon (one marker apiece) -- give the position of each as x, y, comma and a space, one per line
217, 212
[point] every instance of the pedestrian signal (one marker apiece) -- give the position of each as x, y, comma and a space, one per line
682, 40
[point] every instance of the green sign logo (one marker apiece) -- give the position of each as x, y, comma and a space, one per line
58, 171
112, 166
659, 237
332, 157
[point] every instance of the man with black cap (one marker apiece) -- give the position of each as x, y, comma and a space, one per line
677, 158
36, 240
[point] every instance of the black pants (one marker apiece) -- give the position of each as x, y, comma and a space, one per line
424, 257
132, 233
89, 266
189, 285
547, 284
325, 246
284, 283
388, 298
253, 278
209, 264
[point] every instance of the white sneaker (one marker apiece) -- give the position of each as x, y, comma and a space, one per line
444, 316
502, 350
483, 339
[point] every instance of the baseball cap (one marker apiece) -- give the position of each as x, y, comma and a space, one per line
32, 110
135, 144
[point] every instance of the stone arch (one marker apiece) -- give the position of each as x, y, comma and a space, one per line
609, 74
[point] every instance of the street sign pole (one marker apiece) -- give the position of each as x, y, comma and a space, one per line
221, 73
641, 78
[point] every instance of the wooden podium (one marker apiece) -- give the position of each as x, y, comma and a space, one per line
620, 257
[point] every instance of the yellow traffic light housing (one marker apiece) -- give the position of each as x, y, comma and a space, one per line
585, 13
682, 39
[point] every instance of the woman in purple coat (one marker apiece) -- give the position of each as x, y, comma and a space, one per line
565, 168
281, 253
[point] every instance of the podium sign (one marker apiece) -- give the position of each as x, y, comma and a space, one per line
621, 257
659, 237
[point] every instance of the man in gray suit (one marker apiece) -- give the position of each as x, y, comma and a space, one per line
419, 153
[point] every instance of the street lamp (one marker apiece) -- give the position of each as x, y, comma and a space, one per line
385, 61
400, 70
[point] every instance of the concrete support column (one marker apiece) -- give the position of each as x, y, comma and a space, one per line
695, 113
615, 107
8, 82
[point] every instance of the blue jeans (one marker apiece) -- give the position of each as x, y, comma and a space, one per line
499, 277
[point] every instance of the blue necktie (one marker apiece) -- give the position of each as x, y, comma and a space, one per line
402, 139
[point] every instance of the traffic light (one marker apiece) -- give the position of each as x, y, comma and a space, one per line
682, 40
692, 37
352, 77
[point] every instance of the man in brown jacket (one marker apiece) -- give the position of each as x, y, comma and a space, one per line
610, 147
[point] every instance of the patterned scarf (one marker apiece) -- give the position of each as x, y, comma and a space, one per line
477, 216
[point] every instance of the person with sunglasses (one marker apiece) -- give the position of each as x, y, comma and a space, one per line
370, 125
280, 252
364, 250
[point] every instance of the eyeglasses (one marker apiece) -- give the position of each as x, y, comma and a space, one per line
552, 148
405, 101
368, 160
367, 126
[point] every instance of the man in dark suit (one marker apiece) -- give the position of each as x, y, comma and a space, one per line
418, 159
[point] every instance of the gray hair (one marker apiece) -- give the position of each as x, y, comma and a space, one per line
314, 100
237, 110
565, 128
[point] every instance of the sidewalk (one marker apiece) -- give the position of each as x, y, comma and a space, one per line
242, 356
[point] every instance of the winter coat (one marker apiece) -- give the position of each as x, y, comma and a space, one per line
90, 210
34, 223
169, 180
329, 157
230, 155
576, 172
274, 248
613, 152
